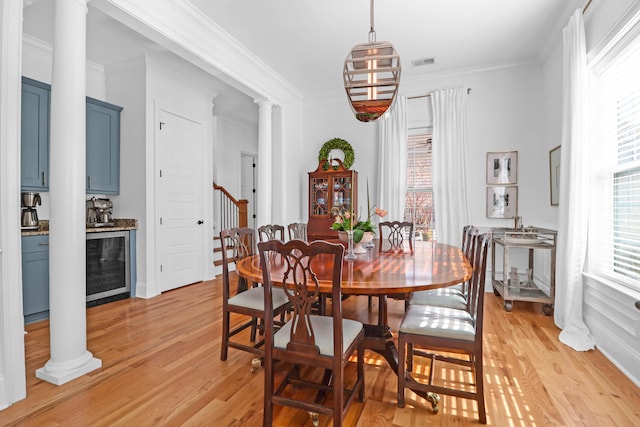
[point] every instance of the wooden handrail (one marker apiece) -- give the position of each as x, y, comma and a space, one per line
233, 212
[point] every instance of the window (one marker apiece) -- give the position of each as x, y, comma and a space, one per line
419, 195
617, 170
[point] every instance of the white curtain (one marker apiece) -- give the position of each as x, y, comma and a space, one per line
392, 161
574, 194
449, 164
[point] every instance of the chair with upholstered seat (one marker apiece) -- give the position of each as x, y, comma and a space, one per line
313, 341
271, 232
298, 230
236, 244
394, 236
456, 296
440, 334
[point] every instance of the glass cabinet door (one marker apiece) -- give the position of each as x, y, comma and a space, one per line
319, 196
342, 192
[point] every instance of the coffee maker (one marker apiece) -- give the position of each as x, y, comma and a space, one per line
99, 212
29, 217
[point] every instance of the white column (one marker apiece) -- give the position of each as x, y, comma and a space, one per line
69, 357
265, 162
12, 363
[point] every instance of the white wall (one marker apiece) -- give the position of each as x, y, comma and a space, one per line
330, 118
504, 113
231, 140
141, 86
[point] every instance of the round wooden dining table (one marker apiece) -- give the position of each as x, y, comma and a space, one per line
382, 272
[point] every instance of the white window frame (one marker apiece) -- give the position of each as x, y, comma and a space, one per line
605, 166
421, 230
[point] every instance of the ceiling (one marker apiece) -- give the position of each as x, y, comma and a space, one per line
307, 41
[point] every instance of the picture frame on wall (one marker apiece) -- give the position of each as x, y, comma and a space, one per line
502, 168
554, 176
502, 201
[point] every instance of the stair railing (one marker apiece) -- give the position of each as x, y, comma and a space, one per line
233, 212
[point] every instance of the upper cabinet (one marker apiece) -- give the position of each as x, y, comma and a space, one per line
103, 141
103, 147
35, 135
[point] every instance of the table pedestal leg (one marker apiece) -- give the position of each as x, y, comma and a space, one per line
379, 338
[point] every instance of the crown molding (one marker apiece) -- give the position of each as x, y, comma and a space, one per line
182, 28
48, 49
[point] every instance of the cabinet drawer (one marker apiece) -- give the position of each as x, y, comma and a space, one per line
35, 244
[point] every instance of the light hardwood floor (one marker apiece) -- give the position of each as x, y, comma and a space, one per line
161, 366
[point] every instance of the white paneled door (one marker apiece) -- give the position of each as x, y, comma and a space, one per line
180, 227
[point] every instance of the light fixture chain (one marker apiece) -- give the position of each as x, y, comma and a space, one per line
372, 32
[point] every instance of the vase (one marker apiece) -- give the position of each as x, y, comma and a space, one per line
358, 248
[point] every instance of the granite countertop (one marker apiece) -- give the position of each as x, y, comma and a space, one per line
120, 224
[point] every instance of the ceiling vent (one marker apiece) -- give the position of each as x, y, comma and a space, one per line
422, 61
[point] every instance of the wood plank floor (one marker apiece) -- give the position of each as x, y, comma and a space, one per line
161, 366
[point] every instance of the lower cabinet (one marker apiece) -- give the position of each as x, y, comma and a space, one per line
35, 278
111, 272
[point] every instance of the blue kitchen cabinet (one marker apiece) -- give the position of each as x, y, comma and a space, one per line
35, 135
35, 278
103, 147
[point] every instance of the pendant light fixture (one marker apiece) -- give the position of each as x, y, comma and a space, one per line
371, 77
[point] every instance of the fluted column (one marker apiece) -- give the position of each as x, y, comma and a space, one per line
69, 357
265, 162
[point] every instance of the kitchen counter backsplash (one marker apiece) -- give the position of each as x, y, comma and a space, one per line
121, 224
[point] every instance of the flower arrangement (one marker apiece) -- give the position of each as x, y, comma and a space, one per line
345, 220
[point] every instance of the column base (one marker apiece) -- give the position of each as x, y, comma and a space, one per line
60, 373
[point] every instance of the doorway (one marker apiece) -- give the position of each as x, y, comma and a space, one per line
248, 187
179, 201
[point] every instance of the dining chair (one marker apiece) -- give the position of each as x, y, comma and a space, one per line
393, 234
297, 230
237, 244
441, 334
456, 296
271, 232
318, 342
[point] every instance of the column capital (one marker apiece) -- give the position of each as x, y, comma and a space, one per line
82, 3
263, 103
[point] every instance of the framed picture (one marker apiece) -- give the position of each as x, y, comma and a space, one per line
554, 175
502, 168
502, 201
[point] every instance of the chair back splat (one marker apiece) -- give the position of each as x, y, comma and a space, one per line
324, 342
394, 234
271, 232
298, 230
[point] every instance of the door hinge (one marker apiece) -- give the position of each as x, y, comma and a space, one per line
162, 123
160, 173
160, 220
160, 268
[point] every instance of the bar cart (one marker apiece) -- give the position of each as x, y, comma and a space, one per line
524, 285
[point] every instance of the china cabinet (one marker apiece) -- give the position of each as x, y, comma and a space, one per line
330, 186
520, 281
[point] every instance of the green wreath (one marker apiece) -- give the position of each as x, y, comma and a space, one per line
337, 144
